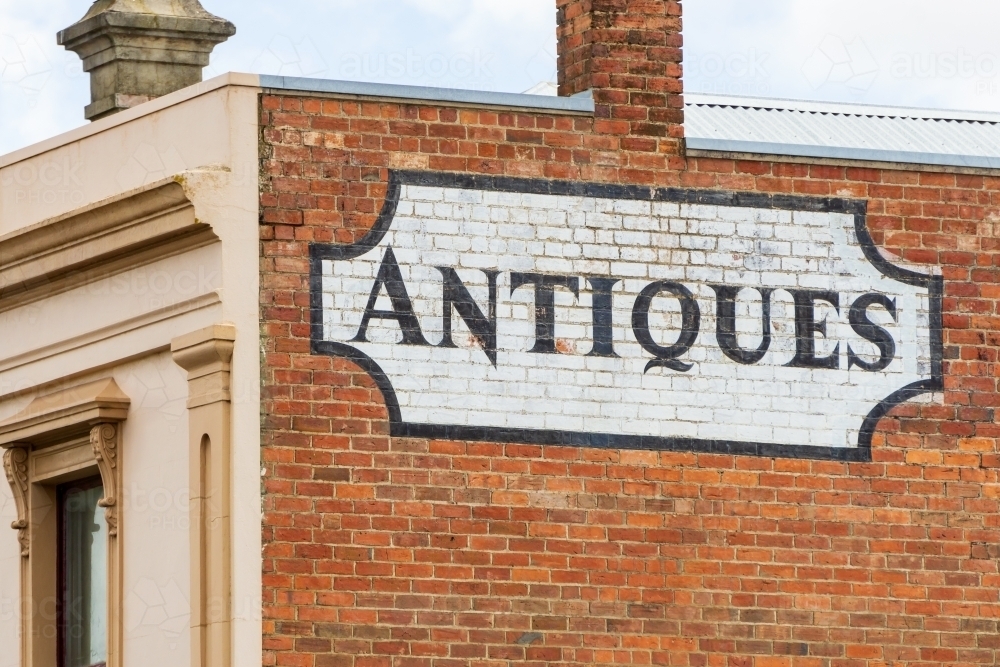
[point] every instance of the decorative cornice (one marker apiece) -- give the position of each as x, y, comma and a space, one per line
64, 414
15, 465
104, 441
38, 260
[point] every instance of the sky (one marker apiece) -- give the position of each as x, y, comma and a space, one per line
892, 52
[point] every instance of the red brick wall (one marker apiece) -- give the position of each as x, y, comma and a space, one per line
382, 551
628, 54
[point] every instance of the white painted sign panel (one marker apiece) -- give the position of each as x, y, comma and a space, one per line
581, 314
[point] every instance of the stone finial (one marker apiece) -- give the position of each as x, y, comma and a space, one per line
137, 50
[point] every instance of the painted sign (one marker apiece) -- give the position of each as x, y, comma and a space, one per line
579, 314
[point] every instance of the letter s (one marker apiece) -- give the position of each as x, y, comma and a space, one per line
871, 332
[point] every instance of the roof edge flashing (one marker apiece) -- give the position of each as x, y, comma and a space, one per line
806, 151
571, 105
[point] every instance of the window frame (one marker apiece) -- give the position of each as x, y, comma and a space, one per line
58, 439
62, 566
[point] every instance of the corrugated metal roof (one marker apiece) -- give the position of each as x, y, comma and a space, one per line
846, 131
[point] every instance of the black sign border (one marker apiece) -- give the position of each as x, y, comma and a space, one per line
318, 252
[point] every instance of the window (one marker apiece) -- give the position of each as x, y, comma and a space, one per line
83, 572
63, 462
63, 457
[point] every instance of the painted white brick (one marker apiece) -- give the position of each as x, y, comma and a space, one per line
463, 196
422, 194
698, 242
699, 212
638, 242
422, 209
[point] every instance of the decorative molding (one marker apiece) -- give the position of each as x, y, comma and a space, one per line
148, 319
206, 355
52, 465
15, 464
104, 441
65, 414
39, 259
20, 297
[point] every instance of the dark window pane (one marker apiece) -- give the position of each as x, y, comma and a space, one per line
84, 604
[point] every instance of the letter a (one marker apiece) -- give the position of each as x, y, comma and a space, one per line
391, 278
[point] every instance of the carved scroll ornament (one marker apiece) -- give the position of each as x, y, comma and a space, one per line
104, 440
15, 464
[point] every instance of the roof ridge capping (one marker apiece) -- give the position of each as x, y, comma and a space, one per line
840, 108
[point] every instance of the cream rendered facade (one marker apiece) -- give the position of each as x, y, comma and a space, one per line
128, 249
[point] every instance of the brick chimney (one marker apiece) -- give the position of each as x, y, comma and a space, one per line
137, 50
628, 54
